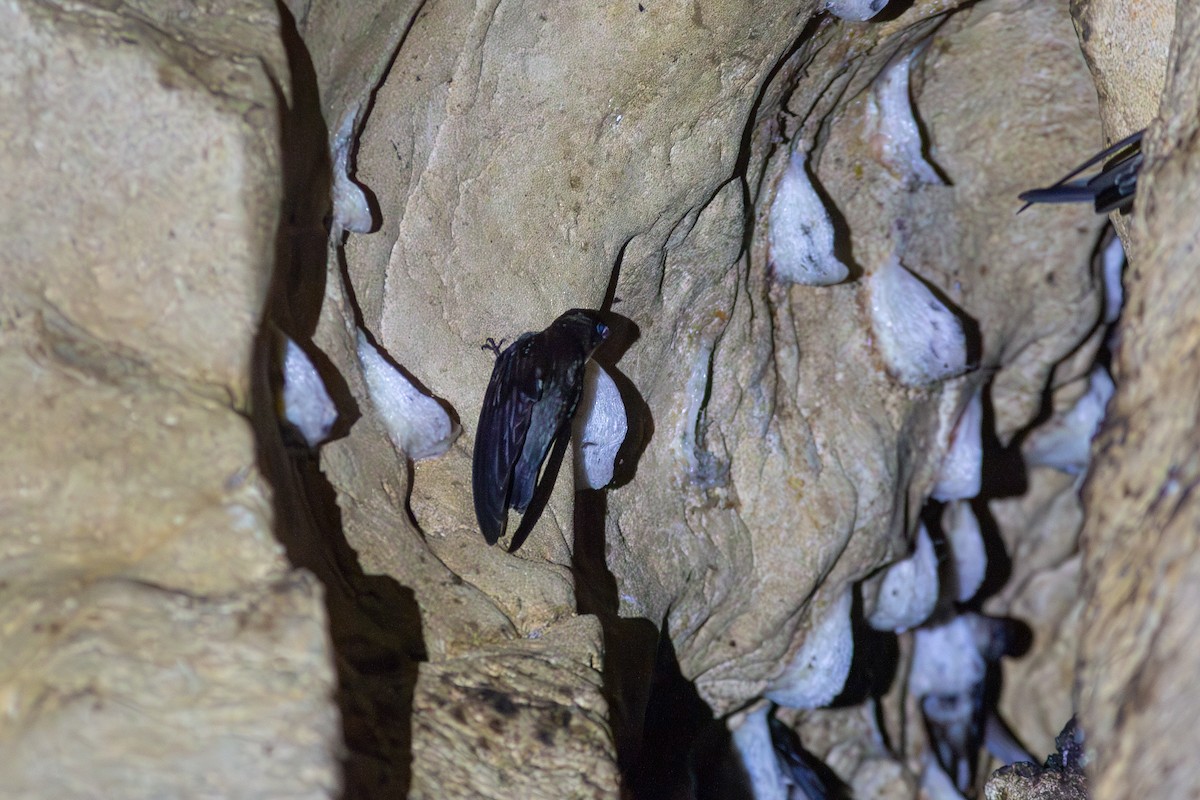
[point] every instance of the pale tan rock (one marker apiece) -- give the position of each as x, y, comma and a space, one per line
1126, 44
517, 161
1139, 657
516, 720
965, 231
142, 691
156, 641
842, 418
515, 158
848, 741
1040, 533
774, 468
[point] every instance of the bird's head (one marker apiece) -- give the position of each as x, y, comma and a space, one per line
583, 325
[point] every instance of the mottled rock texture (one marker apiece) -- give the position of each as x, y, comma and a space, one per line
1061, 777
1139, 651
777, 460
1126, 46
156, 641
176, 174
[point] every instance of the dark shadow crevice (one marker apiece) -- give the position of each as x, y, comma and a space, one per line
374, 622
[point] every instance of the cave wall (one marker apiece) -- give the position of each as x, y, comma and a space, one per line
1139, 534
437, 174
157, 642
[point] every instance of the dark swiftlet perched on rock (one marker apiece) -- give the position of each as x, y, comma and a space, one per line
1112, 189
530, 399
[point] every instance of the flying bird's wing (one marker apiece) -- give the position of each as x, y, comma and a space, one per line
1113, 188
1072, 192
1116, 184
504, 421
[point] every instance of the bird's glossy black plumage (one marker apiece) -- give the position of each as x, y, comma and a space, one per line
527, 409
798, 774
1111, 189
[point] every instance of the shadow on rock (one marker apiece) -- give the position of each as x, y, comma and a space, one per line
374, 622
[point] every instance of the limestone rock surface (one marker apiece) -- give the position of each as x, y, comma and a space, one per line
156, 641
183, 182
775, 462
1139, 536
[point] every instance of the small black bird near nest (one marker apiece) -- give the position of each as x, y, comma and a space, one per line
534, 390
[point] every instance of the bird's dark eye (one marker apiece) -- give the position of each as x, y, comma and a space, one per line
601, 329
